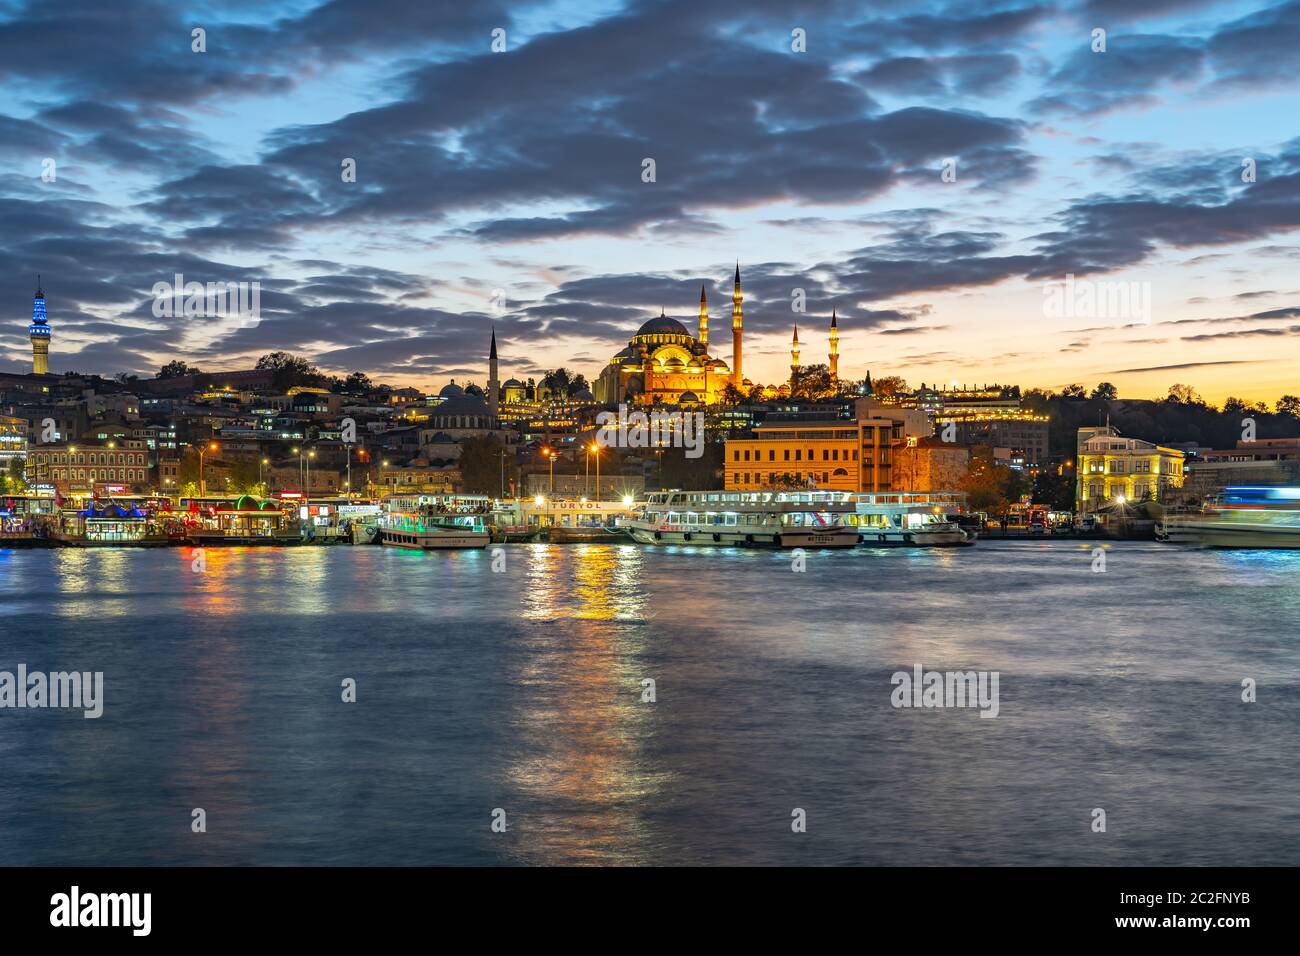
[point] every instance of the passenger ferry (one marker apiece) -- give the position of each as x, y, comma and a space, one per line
434, 522
109, 524
746, 519
1259, 516
909, 519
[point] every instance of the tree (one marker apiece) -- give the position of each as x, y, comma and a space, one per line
1184, 395
1105, 392
811, 381
480, 465
989, 487
16, 479
290, 370
176, 369
358, 383
890, 385
556, 382
1074, 392
576, 385
1289, 405
1234, 406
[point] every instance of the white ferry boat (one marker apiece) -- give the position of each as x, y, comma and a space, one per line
1262, 516
434, 522
746, 519
909, 520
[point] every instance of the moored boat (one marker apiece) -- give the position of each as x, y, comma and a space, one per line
746, 519
432, 523
908, 520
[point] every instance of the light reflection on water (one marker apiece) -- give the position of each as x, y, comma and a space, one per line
522, 690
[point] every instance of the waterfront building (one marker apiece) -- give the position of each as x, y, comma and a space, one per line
840, 454
78, 467
39, 333
1113, 469
580, 487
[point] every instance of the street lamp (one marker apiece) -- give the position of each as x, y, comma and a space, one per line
261, 471
594, 449
550, 454
204, 449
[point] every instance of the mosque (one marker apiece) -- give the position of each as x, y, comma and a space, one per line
663, 364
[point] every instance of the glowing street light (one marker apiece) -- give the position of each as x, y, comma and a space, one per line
550, 454
203, 450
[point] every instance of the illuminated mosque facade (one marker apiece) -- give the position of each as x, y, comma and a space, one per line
664, 364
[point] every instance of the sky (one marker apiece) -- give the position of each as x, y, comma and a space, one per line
979, 191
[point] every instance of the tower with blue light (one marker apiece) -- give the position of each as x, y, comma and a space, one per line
39, 333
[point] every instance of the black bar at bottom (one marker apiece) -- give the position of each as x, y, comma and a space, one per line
337, 905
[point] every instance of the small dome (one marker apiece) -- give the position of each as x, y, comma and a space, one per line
451, 390
689, 398
662, 325
513, 383
674, 362
473, 390
584, 395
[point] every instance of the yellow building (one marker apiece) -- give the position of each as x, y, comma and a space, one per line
1117, 470
839, 455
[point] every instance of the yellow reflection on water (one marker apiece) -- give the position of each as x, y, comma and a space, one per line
579, 720
608, 582
85, 576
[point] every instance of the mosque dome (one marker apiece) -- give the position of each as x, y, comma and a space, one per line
663, 325
450, 390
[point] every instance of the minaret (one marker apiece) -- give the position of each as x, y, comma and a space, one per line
39, 333
835, 351
494, 382
737, 320
704, 320
794, 358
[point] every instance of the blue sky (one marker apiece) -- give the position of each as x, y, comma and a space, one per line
520, 171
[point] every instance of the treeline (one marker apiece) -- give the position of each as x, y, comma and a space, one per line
1182, 416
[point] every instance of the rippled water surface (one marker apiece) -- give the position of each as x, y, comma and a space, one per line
522, 690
